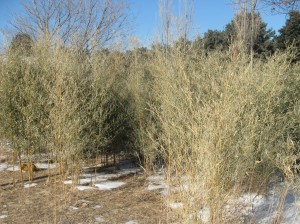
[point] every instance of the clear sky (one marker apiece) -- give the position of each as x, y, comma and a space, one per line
209, 14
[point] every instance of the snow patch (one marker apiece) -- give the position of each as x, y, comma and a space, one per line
96, 207
91, 176
99, 219
108, 185
100, 182
152, 187
3, 216
68, 182
3, 166
164, 192
73, 208
176, 205
44, 166
204, 215
260, 209
127, 170
83, 188
157, 182
84, 181
13, 168
131, 222
30, 185
156, 178
116, 175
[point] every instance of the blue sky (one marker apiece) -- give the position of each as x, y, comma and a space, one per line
8, 7
209, 14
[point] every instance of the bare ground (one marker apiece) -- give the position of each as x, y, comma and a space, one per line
53, 202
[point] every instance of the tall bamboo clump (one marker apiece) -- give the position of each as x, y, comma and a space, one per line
107, 106
68, 95
24, 104
225, 125
62, 101
145, 129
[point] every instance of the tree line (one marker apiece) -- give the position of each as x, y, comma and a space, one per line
266, 41
80, 101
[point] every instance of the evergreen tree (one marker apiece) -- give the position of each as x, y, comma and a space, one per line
290, 33
264, 41
21, 44
215, 40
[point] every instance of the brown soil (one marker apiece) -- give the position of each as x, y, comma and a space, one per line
52, 202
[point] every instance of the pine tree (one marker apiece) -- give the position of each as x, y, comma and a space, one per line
290, 34
21, 44
264, 40
215, 40
264, 43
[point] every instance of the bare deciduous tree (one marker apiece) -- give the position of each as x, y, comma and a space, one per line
247, 24
86, 23
176, 25
282, 6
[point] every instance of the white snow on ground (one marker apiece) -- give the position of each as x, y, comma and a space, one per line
204, 215
81, 181
93, 177
266, 211
3, 216
251, 207
176, 205
103, 176
152, 187
99, 185
157, 182
85, 181
88, 178
99, 219
119, 173
156, 178
101, 180
44, 166
260, 209
131, 222
164, 192
13, 168
30, 185
68, 182
83, 188
3, 166
73, 208
96, 207
130, 170
108, 185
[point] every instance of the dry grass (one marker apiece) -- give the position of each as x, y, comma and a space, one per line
222, 124
225, 126
37, 204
